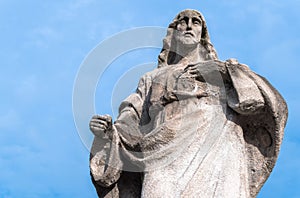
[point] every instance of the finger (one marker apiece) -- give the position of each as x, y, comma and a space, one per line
193, 69
194, 72
98, 125
194, 76
96, 129
98, 121
103, 117
103, 122
193, 64
108, 117
96, 116
188, 67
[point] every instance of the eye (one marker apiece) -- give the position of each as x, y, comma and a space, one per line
196, 21
182, 22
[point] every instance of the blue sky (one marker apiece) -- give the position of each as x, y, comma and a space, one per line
43, 44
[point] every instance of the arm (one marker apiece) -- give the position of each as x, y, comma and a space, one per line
105, 162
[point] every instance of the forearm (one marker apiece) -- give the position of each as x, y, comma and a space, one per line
105, 162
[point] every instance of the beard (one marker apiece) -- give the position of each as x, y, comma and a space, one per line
186, 40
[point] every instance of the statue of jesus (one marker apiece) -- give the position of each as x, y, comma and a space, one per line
195, 127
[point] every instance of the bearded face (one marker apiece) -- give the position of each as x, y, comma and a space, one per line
188, 30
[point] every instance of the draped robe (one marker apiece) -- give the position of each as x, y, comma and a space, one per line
178, 136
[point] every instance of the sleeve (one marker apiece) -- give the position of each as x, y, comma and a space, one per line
105, 161
244, 96
130, 113
262, 113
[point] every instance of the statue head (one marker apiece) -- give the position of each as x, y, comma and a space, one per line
188, 28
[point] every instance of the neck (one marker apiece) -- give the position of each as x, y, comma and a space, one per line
188, 53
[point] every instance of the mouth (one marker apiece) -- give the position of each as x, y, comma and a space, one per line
189, 34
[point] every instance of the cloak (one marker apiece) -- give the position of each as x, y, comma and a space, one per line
206, 133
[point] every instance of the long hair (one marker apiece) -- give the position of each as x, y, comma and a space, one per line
167, 54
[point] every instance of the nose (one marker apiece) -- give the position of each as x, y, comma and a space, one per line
189, 24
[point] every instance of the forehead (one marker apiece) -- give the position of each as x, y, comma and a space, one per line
189, 14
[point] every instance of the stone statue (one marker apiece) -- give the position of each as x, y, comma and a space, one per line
196, 126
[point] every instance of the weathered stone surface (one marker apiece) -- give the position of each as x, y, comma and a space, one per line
196, 126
